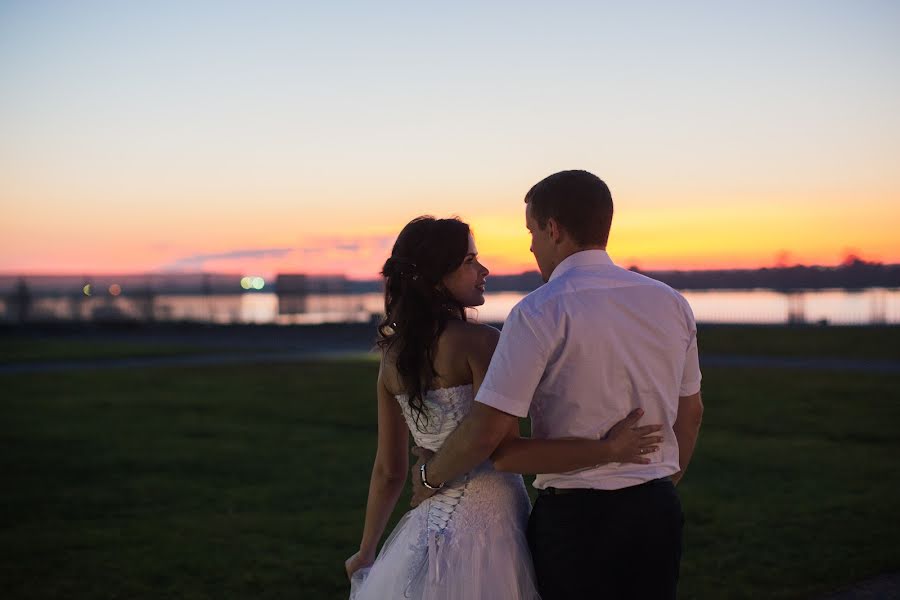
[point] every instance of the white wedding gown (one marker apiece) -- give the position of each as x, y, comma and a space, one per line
467, 542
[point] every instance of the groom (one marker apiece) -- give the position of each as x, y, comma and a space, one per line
578, 355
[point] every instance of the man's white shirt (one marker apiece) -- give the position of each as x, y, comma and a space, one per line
585, 349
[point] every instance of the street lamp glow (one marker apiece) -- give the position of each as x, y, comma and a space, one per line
258, 283
245, 283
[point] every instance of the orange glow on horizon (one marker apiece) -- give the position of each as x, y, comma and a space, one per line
684, 233
511, 262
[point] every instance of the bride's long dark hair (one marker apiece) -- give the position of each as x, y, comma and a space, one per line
416, 305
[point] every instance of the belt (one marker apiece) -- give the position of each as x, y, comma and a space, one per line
552, 491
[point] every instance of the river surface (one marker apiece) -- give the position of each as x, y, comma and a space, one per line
871, 306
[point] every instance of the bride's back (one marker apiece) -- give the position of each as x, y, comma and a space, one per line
460, 346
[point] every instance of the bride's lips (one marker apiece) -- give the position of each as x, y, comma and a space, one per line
480, 287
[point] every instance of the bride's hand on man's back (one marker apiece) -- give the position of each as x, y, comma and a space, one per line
628, 443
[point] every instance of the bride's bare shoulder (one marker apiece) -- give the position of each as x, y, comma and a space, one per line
464, 336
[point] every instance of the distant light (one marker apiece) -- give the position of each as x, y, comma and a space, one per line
246, 283
87, 290
115, 289
259, 283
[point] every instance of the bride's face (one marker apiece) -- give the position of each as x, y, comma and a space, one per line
466, 283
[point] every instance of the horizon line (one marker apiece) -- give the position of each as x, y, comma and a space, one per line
323, 275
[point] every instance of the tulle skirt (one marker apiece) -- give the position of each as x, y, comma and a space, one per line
467, 542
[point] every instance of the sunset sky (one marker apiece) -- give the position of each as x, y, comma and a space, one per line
266, 137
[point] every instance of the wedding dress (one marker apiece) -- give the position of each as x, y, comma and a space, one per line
467, 542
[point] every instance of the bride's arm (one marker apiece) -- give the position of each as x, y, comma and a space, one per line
489, 432
388, 473
622, 443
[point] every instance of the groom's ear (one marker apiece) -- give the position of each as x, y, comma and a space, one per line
554, 230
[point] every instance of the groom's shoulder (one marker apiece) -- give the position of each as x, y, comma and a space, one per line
661, 288
555, 291
640, 278
548, 293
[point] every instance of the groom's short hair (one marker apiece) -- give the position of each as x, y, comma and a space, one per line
579, 201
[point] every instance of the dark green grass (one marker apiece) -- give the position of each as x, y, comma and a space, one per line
794, 486
226, 482
18, 350
859, 342
251, 481
854, 342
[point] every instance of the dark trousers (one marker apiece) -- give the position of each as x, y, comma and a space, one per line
616, 545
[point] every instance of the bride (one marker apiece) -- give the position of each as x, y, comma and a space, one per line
466, 542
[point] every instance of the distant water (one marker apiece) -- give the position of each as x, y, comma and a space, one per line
755, 306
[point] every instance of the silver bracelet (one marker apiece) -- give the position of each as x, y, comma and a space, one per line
425, 480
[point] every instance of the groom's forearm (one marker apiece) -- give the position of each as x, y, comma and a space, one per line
469, 445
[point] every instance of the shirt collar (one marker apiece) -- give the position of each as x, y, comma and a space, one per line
580, 259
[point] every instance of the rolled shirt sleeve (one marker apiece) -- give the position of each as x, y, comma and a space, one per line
517, 365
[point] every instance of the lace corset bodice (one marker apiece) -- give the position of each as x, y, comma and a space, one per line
445, 407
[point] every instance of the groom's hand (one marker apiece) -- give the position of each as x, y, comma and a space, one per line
420, 492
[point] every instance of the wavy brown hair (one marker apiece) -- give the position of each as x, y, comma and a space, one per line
416, 305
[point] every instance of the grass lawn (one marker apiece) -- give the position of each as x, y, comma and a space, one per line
857, 342
250, 481
19, 349
877, 342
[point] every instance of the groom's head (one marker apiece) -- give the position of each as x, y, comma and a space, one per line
567, 212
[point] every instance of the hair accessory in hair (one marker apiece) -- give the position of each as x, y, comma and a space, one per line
397, 266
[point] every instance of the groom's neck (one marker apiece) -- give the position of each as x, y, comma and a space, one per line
570, 249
